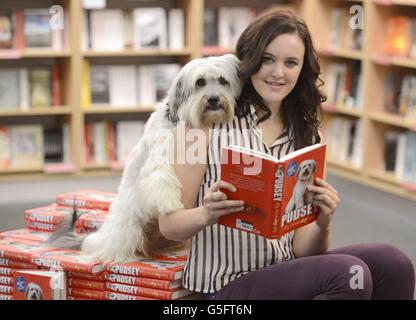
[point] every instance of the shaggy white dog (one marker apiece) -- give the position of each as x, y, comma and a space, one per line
204, 92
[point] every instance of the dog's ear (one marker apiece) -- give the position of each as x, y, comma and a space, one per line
178, 95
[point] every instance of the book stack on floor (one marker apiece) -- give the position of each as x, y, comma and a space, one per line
28, 266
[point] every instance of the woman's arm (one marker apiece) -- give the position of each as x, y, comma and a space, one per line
183, 224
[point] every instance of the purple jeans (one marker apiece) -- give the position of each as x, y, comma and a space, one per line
362, 271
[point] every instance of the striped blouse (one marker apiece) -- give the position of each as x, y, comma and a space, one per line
219, 254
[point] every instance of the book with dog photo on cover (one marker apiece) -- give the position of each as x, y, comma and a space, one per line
39, 285
274, 191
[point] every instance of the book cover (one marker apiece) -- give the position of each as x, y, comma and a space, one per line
48, 214
53, 142
68, 260
87, 199
274, 190
99, 84
176, 29
37, 30
399, 36
6, 32
26, 143
107, 29
150, 268
9, 88
40, 87
39, 285
150, 28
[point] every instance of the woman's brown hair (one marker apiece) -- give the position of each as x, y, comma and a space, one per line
300, 109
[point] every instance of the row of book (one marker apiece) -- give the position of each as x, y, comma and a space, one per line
107, 142
400, 93
33, 146
117, 30
344, 33
400, 38
343, 137
344, 85
126, 85
400, 154
29, 88
34, 28
25, 258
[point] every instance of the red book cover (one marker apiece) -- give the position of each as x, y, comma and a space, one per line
68, 260
39, 285
20, 250
398, 39
26, 234
109, 295
87, 199
274, 191
144, 282
150, 268
147, 292
52, 214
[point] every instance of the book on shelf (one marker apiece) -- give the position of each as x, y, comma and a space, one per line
398, 38
128, 133
409, 169
37, 30
176, 29
40, 82
107, 29
6, 31
122, 85
231, 23
39, 285
26, 145
341, 34
286, 204
150, 28
210, 27
9, 89
99, 84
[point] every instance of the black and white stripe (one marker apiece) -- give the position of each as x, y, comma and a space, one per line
220, 254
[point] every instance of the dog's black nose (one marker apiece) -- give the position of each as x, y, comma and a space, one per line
213, 100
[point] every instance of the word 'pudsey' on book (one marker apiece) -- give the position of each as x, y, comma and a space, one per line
274, 191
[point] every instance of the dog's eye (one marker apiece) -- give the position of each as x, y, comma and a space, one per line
223, 81
200, 82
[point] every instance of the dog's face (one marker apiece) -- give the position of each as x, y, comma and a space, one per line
33, 292
306, 170
205, 91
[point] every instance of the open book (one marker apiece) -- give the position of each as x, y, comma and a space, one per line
274, 191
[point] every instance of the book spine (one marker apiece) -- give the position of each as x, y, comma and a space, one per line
86, 293
17, 264
109, 295
4, 271
33, 225
44, 218
77, 267
87, 284
86, 276
277, 200
70, 202
139, 281
6, 289
6, 297
142, 271
8, 281
17, 256
141, 291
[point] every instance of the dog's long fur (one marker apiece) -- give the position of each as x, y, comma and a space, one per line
149, 186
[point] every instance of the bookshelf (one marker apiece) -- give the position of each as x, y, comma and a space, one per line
374, 66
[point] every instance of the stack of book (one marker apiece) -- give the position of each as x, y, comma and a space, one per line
76, 276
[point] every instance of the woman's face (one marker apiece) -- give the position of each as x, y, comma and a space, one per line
281, 65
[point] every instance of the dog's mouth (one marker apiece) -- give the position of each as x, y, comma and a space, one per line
216, 107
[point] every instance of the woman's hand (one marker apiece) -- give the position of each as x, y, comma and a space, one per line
216, 203
326, 198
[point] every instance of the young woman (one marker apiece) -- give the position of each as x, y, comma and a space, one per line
277, 113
